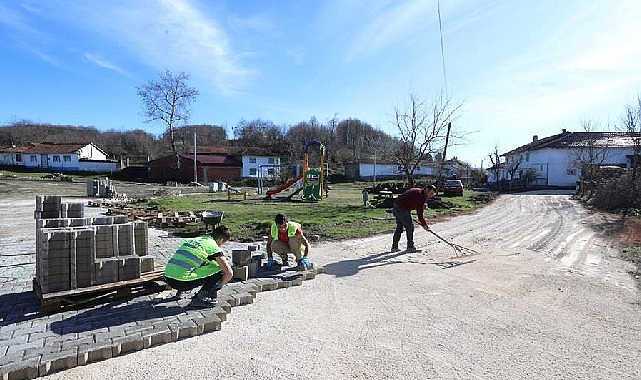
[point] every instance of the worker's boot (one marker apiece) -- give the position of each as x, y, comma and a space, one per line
203, 299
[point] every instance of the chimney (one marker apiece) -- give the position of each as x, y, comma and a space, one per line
563, 131
535, 138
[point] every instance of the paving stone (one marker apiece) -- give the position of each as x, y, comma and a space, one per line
40, 335
58, 361
161, 337
243, 298
78, 342
27, 369
8, 359
98, 352
34, 353
128, 344
209, 324
20, 348
187, 330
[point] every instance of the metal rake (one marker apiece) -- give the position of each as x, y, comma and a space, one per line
457, 248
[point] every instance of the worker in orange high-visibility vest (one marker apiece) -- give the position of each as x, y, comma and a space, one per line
285, 237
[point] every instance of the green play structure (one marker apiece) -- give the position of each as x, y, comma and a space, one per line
314, 182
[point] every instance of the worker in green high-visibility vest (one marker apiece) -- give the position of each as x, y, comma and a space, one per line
201, 262
284, 237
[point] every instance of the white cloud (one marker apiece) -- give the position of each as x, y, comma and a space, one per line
387, 25
107, 65
163, 34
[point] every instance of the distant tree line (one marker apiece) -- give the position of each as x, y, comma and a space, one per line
349, 140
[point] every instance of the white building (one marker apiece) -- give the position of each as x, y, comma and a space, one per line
557, 160
58, 157
263, 166
380, 171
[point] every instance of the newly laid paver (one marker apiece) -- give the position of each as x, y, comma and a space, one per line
33, 344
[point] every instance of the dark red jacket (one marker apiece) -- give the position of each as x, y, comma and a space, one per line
413, 199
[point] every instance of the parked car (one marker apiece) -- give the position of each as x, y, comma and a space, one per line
453, 187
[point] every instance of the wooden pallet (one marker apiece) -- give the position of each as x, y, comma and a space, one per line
51, 303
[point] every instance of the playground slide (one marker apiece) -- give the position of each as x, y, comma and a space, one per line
284, 186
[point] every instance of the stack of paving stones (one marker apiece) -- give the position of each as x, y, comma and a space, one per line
75, 252
33, 344
246, 263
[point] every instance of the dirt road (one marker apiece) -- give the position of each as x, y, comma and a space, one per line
546, 299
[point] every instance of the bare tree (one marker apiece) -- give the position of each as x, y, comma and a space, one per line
632, 125
590, 156
511, 168
168, 99
422, 131
495, 159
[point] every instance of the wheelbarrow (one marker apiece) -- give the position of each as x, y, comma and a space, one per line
211, 218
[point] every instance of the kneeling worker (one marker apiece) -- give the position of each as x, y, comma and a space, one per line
284, 237
201, 261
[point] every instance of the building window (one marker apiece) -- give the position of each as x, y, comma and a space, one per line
66, 158
252, 171
271, 171
56, 158
252, 160
18, 157
33, 158
270, 160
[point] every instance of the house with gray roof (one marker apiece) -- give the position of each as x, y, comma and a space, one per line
558, 160
70, 157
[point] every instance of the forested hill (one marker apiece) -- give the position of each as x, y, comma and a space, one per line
348, 140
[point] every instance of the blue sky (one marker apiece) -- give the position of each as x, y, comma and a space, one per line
518, 68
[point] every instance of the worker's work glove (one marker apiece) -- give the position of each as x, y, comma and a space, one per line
306, 263
271, 263
219, 285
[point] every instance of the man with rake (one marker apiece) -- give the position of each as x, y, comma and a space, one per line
412, 199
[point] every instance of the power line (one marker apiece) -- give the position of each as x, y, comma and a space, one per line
440, 28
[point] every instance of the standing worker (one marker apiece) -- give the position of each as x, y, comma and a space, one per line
365, 197
412, 199
284, 237
201, 261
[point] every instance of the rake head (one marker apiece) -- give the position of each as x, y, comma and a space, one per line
458, 249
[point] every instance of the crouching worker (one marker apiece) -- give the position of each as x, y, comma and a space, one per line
284, 237
201, 262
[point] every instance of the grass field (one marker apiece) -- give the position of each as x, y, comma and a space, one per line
340, 216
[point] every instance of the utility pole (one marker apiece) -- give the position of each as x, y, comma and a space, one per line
374, 166
195, 161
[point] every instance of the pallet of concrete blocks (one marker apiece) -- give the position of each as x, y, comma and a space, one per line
52, 207
79, 252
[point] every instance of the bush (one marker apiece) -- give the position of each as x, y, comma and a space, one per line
615, 193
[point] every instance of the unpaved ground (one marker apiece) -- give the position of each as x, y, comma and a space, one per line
546, 299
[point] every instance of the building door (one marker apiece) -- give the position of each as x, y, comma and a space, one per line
44, 159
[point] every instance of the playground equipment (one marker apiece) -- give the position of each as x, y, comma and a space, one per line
297, 177
313, 179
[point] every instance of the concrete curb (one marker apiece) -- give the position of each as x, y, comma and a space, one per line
39, 345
